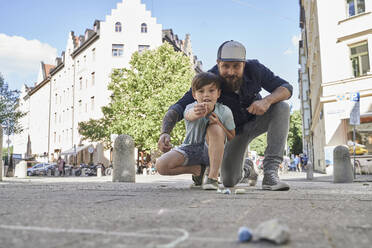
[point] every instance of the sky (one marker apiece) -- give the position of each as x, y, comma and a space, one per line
36, 30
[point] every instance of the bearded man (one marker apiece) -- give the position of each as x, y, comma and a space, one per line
253, 115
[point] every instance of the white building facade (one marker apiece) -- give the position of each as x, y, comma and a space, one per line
335, 54
76, 88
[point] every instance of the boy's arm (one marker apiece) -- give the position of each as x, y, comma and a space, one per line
230, 134
196, 112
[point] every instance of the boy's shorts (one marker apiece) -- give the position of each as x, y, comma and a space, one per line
195, 154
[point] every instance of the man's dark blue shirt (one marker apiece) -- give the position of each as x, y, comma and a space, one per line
255, 78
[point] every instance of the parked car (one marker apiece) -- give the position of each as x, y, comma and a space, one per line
41, 169
359, 149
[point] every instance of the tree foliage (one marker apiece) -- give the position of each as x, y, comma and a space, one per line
141, 95
9, 115
259, 144
295, 133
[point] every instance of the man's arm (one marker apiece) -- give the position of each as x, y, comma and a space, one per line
173, 115
169, 121
259, 107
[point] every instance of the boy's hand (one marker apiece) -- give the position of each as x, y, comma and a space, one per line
164, 144
200, 109
213, 119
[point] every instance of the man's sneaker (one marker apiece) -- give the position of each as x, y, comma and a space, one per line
250, 174
271, 182
198, 180
210, 184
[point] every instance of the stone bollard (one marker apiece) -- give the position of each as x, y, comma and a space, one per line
99, 171
310, 171
1, 157
21, 169
123, 160
342, 168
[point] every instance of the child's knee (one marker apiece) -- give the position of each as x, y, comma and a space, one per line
216, 132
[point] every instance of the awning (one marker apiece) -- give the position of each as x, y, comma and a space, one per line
74, 151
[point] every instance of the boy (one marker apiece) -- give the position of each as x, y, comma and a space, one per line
193, 153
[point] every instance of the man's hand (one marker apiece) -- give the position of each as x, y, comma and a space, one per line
259, 107
164, 144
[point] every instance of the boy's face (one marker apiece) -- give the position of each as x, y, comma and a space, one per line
208, 94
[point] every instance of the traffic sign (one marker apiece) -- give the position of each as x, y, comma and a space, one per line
90, 149
355, 108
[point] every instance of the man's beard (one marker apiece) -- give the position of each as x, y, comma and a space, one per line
234, 82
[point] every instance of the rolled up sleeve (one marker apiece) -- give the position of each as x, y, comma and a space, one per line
270, 81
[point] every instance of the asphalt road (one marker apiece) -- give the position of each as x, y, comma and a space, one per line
161, 211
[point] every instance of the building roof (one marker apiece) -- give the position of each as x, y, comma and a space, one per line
47, 68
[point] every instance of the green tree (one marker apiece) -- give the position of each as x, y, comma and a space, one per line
259, 144
141, 95
9, 115
295, 133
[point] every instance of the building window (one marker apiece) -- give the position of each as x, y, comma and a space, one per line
92, 103
117, 50
118, 27
55, 118
143, 28
81, 83
86, 83
78, 67
142, 48
359, 59
56, 99
86, 107
355, 7
93, 54
93, 78
54, 137
80, 106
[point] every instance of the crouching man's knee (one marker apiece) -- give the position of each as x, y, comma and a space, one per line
161, 166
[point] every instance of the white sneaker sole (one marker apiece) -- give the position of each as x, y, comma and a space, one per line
209, 187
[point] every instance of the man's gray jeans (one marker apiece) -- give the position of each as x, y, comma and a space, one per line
276, 123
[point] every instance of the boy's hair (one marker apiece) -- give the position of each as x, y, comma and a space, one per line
204, 78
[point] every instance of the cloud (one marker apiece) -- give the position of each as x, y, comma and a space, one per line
294, 46
288, 51
21, 56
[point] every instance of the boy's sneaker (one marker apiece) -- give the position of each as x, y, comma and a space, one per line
271, 182
210, 184
250, 174
198, 180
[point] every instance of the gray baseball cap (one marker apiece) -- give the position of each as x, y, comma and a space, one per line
231, 51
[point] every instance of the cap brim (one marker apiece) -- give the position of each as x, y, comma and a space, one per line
232, 60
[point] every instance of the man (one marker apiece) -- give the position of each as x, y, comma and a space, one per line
253, 115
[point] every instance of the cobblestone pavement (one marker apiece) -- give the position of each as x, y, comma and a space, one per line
159, 211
